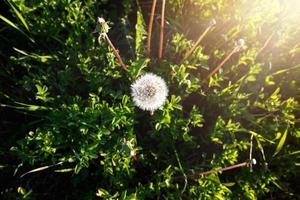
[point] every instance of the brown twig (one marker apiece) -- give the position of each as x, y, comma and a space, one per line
116, 53
150, 27
161, 35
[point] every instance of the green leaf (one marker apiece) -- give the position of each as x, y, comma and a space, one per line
229, 184
2, 166
103, 193
64, 170
260, 148
281, 143
39, 58
251, 78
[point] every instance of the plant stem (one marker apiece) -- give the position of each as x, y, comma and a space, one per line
150, 27
196, 44
161, 35
244, 164
114, 51
182, 171
202, 174
221, 64
265, 44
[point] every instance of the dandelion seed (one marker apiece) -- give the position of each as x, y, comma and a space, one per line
149, 92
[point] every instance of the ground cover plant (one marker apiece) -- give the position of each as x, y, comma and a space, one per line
178, 99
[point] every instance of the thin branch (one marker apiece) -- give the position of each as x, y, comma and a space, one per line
161, 35
150, 27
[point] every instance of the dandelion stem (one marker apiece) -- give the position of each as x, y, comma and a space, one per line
150, 27
187, 55
217, 170
235, 49
161, 35
114, 51
244, 164
265, 44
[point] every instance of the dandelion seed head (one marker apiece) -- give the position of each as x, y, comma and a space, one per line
149, 92
239, 44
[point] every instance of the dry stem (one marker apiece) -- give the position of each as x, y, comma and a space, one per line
161, 35
150, 27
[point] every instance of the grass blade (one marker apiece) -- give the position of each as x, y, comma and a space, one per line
15, 27
10, 23
285, 70
40, 169
281, 143
19, 15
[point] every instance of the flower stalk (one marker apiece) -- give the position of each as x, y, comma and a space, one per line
244, 164
187, 55
103, 30
150, 26
237, 48
116, 53
161, 34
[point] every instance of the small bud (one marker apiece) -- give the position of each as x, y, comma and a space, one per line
253, 161
133, 153
100, 20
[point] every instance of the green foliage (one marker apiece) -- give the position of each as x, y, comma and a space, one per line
80, 130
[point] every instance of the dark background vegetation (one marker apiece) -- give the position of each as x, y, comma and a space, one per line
64, 99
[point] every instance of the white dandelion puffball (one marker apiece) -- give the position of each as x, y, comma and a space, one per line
149, 92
